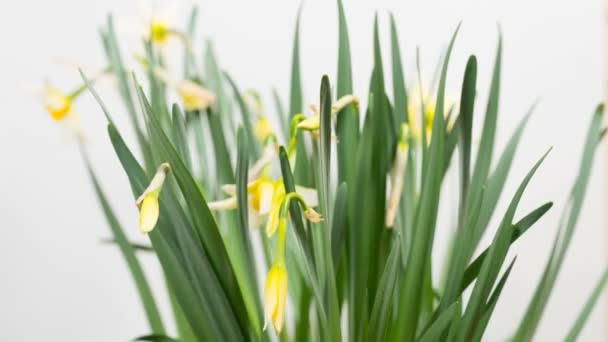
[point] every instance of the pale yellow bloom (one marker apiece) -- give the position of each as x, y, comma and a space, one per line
414, 114
148, 201
160, 30
265, 197
275, 296
56, 103
263, 129
313, 122
194, 96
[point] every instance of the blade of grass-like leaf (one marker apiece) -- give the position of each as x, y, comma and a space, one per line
215, 81
246, 117
282, 115
224, 171
136, 246
530, 321
497, 180
322, 236
347, 121
179, 135
519, 229
467, 104
190, 68
405, 328
167, 250
128, 253
486, 144
493, 262
244, 243
399, 87
434, 331
155, 338
491, 305
296, 106
115, 60
338, 230
586, 311
302, 238
227, 266
379, 318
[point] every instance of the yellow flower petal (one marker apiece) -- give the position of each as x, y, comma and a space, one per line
265, 196
263, 129
275, 296
311, 123
148, 213
194, 96
159, 31
273, 216
57, 103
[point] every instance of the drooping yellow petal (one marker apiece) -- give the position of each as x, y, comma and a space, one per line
225, 204
56, 103
273, 216
311, 123
275, 296
263, 129
148, 213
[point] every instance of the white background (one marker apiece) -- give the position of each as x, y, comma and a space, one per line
58, 282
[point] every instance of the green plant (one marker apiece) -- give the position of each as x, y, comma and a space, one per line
361, 254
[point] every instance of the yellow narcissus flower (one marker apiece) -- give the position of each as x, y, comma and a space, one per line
313, 123
275, 296
194, 96
148, 201
263, 129
160, 30
265, 198
414, 114
56, 103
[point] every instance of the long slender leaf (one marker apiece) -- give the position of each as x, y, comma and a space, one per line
586, 310
537, 305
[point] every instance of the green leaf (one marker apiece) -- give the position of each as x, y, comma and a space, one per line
467, 104
115, 60
418, 261
491, 305
155, 338
179, 135
281, 113
399, 87
128, 253
518, 230
572, 210
380, 314
215, 80
296, 106
347, 121
586, 311
208, 233
435, 330
136, 246
166, 249
246, 117
493, 262
338, 231
497, 180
